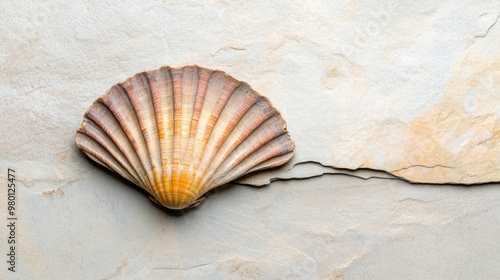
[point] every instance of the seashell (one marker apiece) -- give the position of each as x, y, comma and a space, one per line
180, 132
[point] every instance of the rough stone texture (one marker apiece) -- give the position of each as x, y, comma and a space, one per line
411, 89
331, 227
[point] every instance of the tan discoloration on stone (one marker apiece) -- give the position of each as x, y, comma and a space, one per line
459, 138
52, 192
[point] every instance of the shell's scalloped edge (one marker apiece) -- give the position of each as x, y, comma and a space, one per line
99, 99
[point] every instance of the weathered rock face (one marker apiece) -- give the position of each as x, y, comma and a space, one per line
369, 89
410, 89
321, 228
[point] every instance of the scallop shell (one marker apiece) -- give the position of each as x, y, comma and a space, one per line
180, 132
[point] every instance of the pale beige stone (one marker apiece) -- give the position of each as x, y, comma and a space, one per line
407, 88
320, 228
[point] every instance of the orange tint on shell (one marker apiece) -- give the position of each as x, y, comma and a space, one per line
180, 132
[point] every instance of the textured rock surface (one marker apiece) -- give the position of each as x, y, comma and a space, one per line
409, 89
329, 227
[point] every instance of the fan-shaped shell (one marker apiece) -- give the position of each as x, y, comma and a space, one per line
180, 132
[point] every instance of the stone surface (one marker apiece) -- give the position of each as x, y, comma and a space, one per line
377, 91
411, 89
331, 227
